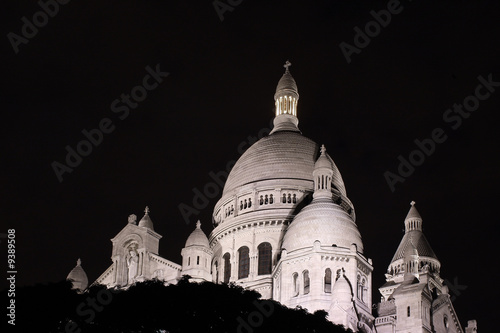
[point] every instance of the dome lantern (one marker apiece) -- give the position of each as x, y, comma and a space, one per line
286, 99
413, 220
322, 174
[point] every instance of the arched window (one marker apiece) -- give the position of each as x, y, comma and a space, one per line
249, 203
197, 260
294, 200
289, 198
359, 287
266, 200
307, 282
328, 280
363, 283
295, 280
271, 199
408, 311
284, 198
189, 261
216, 268
243, 262
227, 267
261, 200
265, 258
241, 205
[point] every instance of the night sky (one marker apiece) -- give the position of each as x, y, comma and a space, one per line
222, 76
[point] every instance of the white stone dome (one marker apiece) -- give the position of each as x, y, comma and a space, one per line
78, 277
146, 221
197, 237
281, 155
325, 221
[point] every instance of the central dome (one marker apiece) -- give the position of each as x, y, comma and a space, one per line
281, 155
278, 165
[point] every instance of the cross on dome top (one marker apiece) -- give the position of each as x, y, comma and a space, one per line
146, 210
287, 64
198, 224
78, 262
413, 203
323, 150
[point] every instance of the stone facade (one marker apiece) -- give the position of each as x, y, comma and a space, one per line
285, 227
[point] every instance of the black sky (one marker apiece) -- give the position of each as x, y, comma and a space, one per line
222, 77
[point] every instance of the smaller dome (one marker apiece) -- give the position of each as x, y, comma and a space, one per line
197, 237
341, 290
325, 221
324, 160
146, 220
413, 213
78, 277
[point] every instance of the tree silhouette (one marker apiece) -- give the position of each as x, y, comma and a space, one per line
153, 307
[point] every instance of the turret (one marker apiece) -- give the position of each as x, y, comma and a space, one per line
322, 174
196, 256
78, 277
286, 99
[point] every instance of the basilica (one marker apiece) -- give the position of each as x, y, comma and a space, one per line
286, 228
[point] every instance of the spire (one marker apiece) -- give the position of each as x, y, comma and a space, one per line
198, 224
286, 99
322, 175
413, 220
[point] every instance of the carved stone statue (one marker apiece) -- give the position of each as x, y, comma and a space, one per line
132, 219
132, 264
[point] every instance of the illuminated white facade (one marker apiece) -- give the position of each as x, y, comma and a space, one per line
285, 227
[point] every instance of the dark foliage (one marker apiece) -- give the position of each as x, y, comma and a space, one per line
153, 307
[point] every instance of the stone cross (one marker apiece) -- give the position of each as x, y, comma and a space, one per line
287, 64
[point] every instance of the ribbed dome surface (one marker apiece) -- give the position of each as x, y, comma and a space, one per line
146, 222
78, 277
324, 161
286, 86
420, 243
281, 155
197, 237
324, 221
